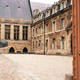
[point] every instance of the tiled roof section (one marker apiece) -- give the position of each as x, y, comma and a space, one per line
19, 9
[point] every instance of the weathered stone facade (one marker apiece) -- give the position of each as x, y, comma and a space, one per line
17, 45
52, 30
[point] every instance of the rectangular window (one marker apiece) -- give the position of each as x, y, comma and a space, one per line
36, 30
63, 43
7, 32
54, 10
58, 9
25, 32
62, 23
63, 5
16, 32
36, 44
33, 32
54, 26
54, 44
47, 44
40, 44
40, 30
68, 3
46, 28
33, 44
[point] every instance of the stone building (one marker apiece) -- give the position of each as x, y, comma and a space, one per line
15, 25
52, 30
49, 32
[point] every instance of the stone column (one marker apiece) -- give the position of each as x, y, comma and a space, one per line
12, 32
2, 31
20, 32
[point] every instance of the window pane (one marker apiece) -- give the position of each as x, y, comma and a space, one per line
25, 32
47, 44
7, 32
62, 23
54, 43
63, 43
40, 44
16, 32
54, 26
46, 28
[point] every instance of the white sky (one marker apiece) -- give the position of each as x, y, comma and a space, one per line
45, 1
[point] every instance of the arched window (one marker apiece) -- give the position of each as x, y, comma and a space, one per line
25, 50
11, 50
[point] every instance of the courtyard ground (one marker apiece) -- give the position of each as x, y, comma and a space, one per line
34, 67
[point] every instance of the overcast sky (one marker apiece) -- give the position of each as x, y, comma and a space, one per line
45, 1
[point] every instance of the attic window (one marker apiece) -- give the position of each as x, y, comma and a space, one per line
7, 5
19, 7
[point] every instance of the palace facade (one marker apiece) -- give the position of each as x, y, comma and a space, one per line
15, 25
52, 30
48, 32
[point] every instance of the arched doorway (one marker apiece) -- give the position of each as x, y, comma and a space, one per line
25, 50
11, 50
71, 44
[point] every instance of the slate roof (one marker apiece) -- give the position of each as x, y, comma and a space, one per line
19, 9
39, 6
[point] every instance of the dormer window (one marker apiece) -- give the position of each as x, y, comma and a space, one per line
19, 7
7, 5
43, 16
58, 7
47, 13
50, 11
63, 5
68, 3
54, 9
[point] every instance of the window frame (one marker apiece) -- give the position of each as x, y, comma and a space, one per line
7, 32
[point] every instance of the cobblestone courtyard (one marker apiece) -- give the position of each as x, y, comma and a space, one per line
34, 67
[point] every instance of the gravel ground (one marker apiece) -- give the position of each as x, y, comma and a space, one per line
34, 67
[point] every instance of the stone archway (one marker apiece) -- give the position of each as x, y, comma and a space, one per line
11, 50
25, 50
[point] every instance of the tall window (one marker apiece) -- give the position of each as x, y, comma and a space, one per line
62, 23
58, 7
36, 44
33, 32
33, 44
47, 44
63, 5
46, 28
16, 32
40, 44
54, 44
40, 30
54, 9
7, 32
54, 26
36, 30
0, 32
68, 3
63, 43
25, 32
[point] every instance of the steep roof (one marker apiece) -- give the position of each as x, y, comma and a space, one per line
18, 9
39, 6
